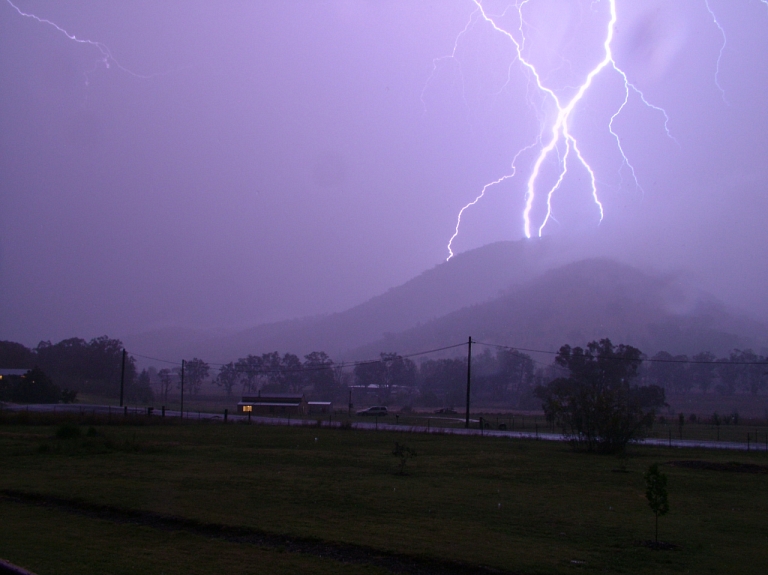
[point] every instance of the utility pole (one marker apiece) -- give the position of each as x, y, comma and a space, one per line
182, 389
122, 378
469, 373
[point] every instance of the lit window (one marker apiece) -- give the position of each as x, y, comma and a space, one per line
247, 408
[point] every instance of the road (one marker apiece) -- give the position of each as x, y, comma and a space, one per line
376, 425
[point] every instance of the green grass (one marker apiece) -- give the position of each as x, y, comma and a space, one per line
523, 506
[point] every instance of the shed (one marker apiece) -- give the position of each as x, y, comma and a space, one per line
320, 406
273, 404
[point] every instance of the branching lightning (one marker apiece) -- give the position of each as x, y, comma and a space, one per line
557, 133
107, 59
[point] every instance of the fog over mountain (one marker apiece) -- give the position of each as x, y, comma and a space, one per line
507, 293
590, 300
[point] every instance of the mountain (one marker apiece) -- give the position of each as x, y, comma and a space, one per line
589, 300
468, 278
508, 293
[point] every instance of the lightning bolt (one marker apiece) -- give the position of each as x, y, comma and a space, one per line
107, 59
482, 193
722, 47
558, 132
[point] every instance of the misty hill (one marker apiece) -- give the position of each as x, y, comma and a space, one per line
468, 278
507, 293
588, 300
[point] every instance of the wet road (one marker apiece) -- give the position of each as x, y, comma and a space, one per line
376, 425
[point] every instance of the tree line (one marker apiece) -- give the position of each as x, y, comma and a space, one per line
741, 370
502, 376
80, 366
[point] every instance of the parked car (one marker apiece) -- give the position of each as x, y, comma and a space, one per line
378, 410
447, 411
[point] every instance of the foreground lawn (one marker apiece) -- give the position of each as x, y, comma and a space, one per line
517, 506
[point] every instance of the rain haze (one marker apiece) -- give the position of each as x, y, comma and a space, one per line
217, 165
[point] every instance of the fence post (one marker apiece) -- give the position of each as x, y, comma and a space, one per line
226, 413
163, 411
125, 411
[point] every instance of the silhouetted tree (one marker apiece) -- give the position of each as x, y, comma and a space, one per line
15, 356
249, 369
166, 378
291, 373
749, 370
36, 387
93, 366
597, 405
443, 378
670, 371
140, 391
319, 374
370, 374
228, 377
195, 371
702, 370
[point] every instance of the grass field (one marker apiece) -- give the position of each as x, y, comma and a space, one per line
213, 498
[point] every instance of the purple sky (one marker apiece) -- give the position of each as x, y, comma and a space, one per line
292, 158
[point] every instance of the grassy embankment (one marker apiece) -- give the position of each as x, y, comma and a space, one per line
519, 506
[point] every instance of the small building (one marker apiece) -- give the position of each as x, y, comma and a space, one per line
273, 404
12, 372
320, 407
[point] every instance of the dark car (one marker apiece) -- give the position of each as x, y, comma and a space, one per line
378, 410
447, 411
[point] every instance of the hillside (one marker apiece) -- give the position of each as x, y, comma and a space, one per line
588, 300
508, 293
468, 278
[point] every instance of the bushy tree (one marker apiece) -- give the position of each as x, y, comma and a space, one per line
195, 371
370, 374
228, 377
249, 368
443, 381
670, 371
702, 370
15, 356
390, 370
319, 373
166, 377
597, 404
140, 391
93, 366
36, 387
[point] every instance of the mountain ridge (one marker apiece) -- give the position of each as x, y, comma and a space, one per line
510, 293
